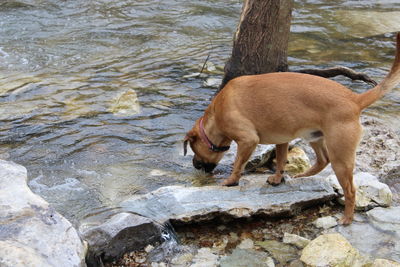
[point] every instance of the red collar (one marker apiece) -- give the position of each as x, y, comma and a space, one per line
210, 145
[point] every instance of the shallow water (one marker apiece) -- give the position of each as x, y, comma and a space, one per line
70, 69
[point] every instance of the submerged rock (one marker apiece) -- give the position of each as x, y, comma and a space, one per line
188, 204
125, 104
31, 232
364, 23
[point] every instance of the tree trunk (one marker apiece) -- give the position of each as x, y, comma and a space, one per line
261, 40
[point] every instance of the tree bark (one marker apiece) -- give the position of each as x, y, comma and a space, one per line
261, 40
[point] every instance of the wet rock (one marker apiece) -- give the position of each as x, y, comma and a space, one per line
212, 82
31, 232
169, 250
370, 192
125, 104
331, 250
325, 222
182, 259
205, 257
188, 204
245, 258
281, 252
298, 241
121, 233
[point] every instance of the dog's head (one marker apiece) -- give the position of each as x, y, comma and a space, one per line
204, 158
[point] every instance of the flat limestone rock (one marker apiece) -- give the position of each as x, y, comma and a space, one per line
253, 196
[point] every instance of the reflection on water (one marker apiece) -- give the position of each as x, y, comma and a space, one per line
66, 67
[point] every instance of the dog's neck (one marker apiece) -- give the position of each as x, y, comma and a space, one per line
212, 131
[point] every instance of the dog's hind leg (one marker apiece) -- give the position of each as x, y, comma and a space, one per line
322, 160
342, 142
281, 158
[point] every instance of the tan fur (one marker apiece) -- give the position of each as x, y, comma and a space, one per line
276, 108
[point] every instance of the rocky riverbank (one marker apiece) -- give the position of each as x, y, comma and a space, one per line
253, 224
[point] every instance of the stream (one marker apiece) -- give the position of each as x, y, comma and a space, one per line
96, 96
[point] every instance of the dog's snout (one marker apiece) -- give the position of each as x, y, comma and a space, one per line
197, 164
207, 167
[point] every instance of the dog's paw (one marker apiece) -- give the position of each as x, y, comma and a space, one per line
229, 183
345, 220
274, 179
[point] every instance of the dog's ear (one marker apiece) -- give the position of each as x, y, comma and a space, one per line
190, 137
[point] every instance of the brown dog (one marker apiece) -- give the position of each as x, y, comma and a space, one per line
276, 108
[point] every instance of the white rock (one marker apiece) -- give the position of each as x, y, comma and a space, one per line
325, 222
212, 82
385, 263
270, 262
246, 244
148, 248
331, 250
31, 232
295, 240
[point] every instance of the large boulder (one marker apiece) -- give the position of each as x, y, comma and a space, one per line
253, 197
31, 232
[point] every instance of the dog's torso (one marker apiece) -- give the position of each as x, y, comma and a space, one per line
280, 107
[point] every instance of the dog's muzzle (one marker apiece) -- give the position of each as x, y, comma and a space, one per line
207, 167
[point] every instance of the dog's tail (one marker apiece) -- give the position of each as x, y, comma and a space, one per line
390, 81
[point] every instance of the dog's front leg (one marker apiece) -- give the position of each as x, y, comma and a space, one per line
245, 149
281, 159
